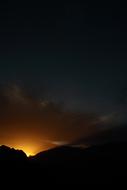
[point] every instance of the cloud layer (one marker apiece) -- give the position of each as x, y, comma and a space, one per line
23, 116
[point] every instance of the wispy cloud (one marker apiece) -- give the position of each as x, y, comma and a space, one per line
21, 113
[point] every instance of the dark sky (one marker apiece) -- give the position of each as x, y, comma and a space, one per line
76, 50
68, 53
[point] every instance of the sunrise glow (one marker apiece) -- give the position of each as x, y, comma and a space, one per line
29, 150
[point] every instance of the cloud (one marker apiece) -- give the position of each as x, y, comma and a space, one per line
24, 115
59, 143
110, 135
15, 94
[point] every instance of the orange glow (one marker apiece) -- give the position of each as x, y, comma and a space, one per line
29, 146
28, 149
30, 143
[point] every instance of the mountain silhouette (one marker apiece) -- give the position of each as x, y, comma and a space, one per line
97, 164
10, 154
13, 165
101, 164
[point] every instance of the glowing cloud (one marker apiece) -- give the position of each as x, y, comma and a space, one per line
33, 125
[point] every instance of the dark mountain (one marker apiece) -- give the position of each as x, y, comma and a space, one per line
11, 158
59, 155
102, 164
98, 164
10, 154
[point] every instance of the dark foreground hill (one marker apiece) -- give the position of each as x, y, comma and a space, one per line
104, 164
11, 155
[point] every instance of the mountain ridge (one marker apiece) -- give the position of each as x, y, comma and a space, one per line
103, 164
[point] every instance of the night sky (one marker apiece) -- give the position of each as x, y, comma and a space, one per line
68, 57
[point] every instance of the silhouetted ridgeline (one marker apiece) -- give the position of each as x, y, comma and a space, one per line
10, 154
99, 164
